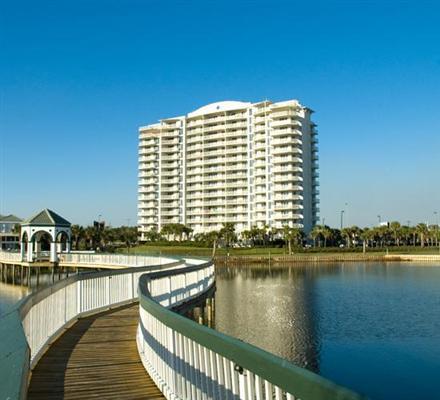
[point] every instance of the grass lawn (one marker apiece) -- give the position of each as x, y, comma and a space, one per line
184, 250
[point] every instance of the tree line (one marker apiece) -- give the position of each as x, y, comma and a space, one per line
392, 234
99, 237
322, 236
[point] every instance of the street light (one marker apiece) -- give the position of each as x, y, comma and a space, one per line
379, 218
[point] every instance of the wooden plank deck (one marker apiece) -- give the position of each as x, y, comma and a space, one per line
96, 358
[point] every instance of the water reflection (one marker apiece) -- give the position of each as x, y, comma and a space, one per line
11, 293
271, 308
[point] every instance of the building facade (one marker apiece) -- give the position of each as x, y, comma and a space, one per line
9, 232
252, 164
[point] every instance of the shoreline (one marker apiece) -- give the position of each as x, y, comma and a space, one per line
308, 258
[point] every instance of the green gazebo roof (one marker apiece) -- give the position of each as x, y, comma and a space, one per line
9, 218
47, 217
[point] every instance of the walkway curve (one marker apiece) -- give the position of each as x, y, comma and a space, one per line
96, 358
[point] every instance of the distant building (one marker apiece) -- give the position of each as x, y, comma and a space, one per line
251, 164
9, 235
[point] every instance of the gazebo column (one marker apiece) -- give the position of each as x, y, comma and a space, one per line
68, 246
37, 247
53, 251
22, 250
29, 251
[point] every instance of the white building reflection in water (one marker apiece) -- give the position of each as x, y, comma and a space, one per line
272, 309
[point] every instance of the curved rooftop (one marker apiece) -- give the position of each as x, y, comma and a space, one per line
219, 106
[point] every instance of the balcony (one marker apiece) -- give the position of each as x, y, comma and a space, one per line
170, 141
287, 188
214, 145
195, 123
281, 160
286, 150
284, 122
287, 178
286, 132
215, 128
288, 206
260, 120
288, 197
169, 196
194, 147
284, 114
152, 157
234, 159
169, 213
290, 169
170, 157
237, 167
288, 215
236, 142
259, 128
144, 197
169, 181
285, 142
239, 116
194, 188
213, 153
150, 181
237, 125
147, 213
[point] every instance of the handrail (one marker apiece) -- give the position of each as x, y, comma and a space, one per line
28, 328
189, 360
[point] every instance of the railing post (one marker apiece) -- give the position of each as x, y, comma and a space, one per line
79, 296
170, 298
107, 290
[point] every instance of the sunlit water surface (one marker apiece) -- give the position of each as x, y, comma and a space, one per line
372, 327
11, 294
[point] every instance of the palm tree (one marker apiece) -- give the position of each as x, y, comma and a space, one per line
227, 233
423, 232
211, 238
316, 233
347, 232
291, 235
326, 233
187, 231
396, 229
167, 230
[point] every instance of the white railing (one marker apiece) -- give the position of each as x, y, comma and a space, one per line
112, 260
190, 361
51, 309
28, 329
8, 256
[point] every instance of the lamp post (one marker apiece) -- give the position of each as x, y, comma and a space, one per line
379, 218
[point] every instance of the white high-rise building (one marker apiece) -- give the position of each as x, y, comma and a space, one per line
252, 164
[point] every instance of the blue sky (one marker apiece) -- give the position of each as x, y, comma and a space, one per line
78, 78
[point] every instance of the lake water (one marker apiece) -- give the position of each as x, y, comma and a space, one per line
11, 294
374, 328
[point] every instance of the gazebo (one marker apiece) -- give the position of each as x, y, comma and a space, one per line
44, 236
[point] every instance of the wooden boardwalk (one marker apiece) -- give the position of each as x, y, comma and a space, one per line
96, 358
